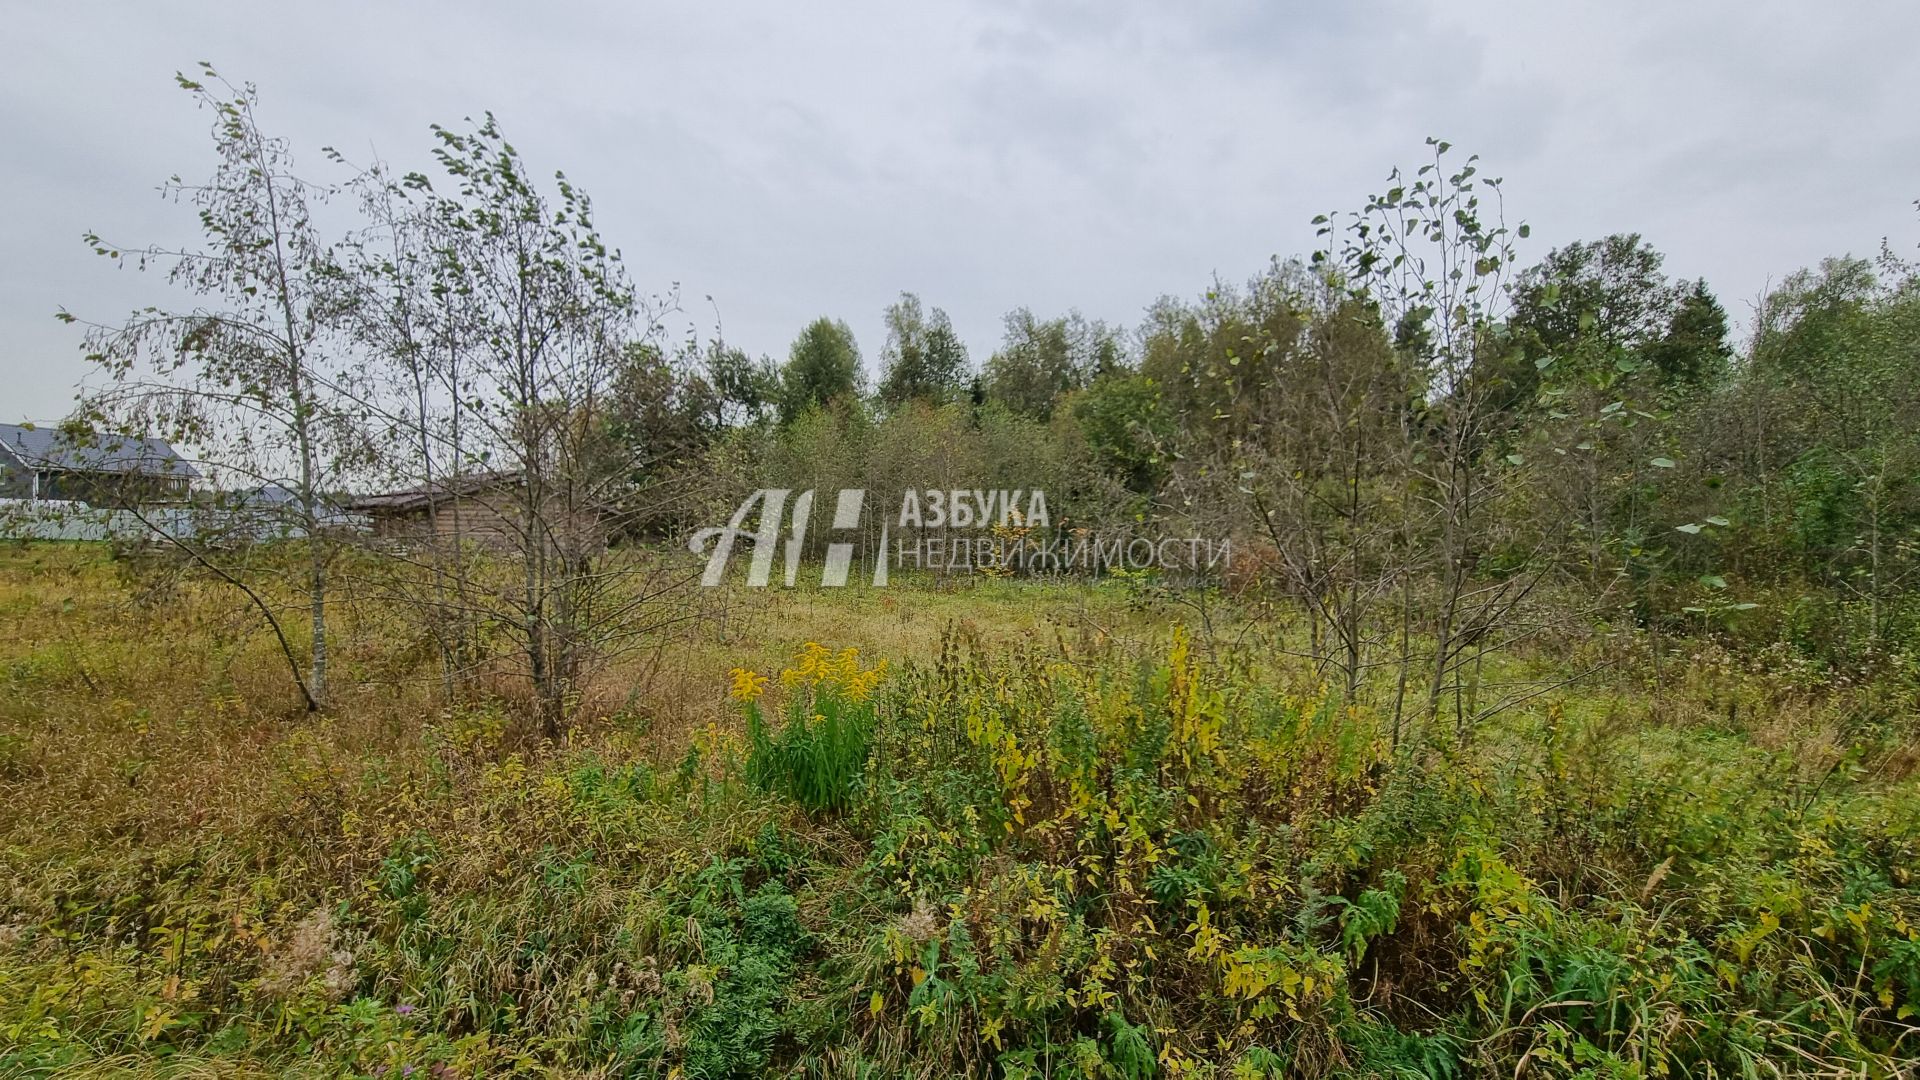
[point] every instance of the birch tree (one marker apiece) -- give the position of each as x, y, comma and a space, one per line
550, 328
1434, 256
250, 377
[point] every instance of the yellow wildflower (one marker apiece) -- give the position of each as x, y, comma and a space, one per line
816, 666
860, 684
747, 686
810, 666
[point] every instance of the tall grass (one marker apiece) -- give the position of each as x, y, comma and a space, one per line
1108, 851
819, 752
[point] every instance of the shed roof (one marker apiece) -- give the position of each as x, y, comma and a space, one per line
419, 498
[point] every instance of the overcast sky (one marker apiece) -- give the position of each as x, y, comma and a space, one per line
796, 160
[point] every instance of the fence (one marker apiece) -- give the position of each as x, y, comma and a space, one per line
52, 519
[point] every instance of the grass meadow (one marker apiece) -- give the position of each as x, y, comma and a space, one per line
973, 827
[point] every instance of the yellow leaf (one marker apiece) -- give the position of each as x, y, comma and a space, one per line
876, 1003
156, 1022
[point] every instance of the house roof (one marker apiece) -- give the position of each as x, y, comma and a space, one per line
277, 494
418, 498
50, 447
279, 498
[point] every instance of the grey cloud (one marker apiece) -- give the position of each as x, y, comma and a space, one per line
798, 161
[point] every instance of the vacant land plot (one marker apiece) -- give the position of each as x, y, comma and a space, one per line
926, 830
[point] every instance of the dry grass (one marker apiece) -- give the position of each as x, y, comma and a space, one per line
201, 878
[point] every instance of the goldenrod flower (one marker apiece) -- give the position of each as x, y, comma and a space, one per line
811, 665
859, 685
747, 686
816, 666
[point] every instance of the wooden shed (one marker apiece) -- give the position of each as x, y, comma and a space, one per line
482, 508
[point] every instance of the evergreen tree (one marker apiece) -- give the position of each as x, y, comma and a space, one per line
1694, 351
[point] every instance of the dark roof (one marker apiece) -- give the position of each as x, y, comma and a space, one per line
278, 498
52, 448
277, 494
418, 498
274, 494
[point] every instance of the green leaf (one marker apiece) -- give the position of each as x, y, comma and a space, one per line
1720, 521
1689, 528
1713, 581
1661, 463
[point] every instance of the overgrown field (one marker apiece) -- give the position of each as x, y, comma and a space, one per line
994, 829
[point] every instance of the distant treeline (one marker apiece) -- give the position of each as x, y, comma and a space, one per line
1431, 447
